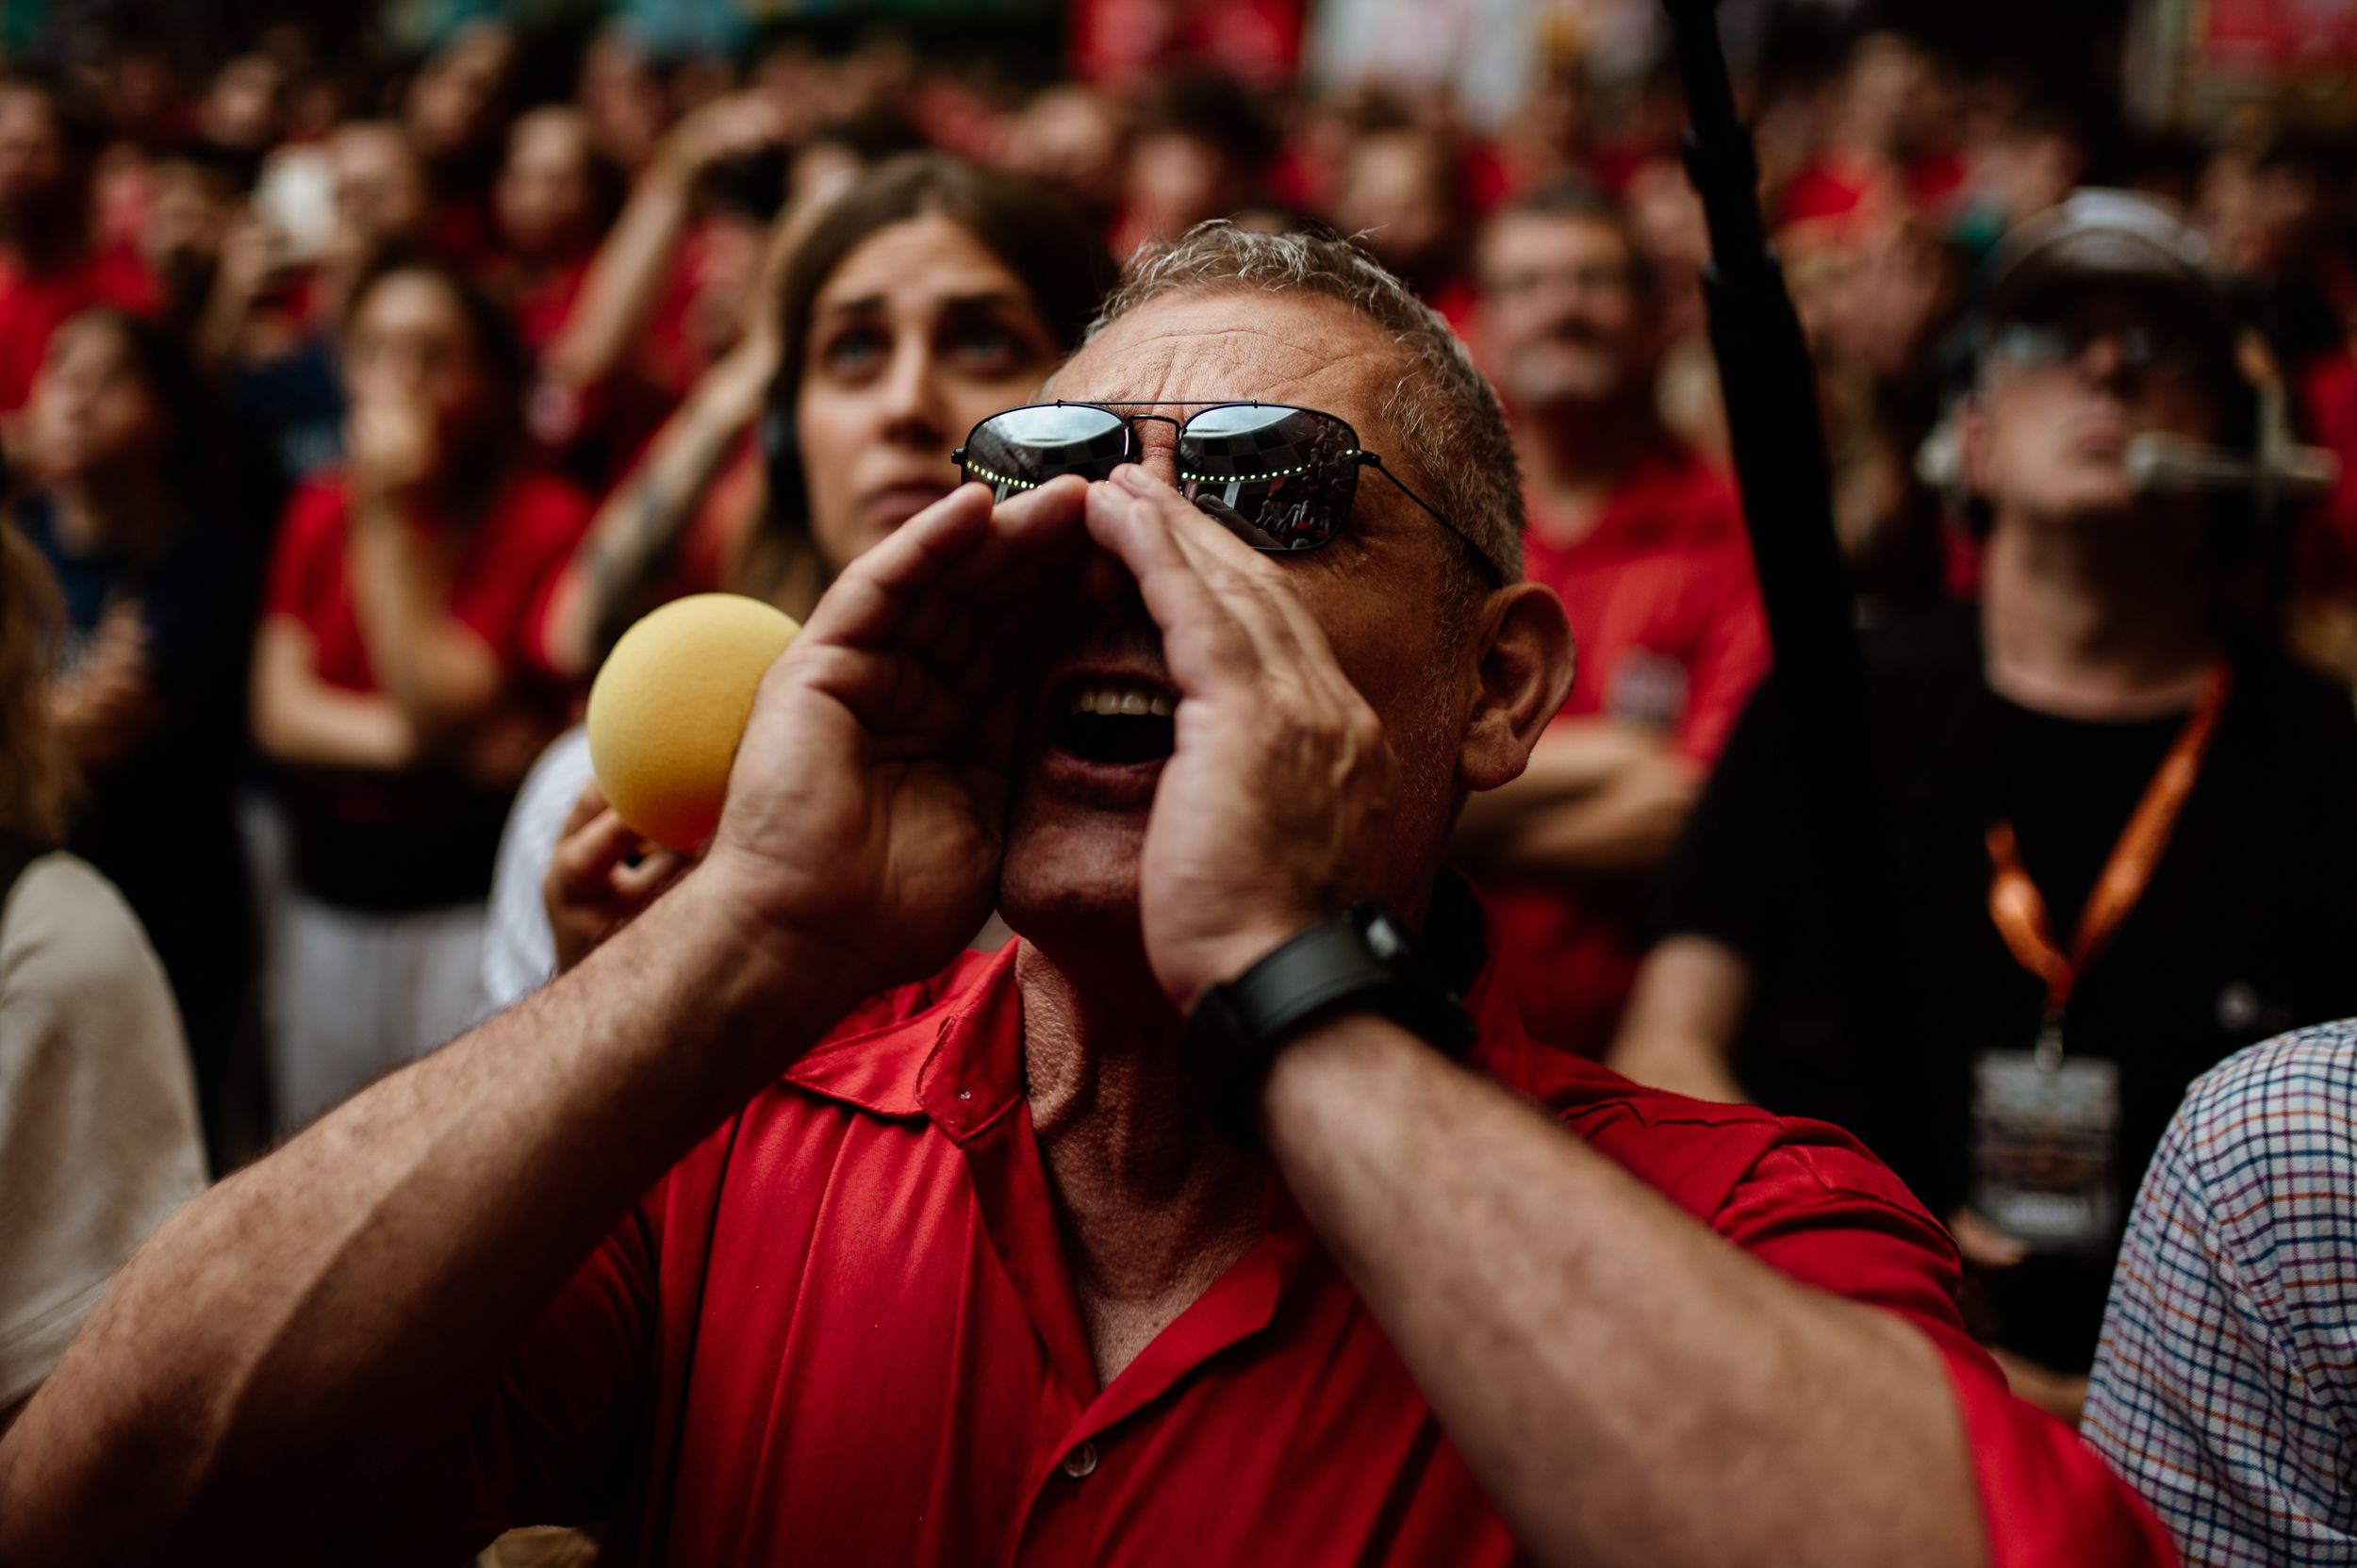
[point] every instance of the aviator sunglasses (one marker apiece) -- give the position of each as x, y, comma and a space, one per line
1280, 478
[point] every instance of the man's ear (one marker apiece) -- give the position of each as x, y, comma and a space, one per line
1523, 674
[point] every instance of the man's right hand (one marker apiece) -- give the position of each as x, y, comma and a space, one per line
867, 811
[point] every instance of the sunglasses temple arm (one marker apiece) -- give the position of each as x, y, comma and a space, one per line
1489, 568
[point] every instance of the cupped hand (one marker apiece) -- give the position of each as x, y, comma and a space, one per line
1282, 784
389, 446
602, 876
867, 810
733, 125
253, 256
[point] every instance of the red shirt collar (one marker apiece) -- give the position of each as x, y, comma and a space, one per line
951, 1051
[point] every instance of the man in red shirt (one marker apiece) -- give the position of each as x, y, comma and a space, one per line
1646, 545
1116, 1246
48, 269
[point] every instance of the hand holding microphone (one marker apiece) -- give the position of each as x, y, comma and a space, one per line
602, 875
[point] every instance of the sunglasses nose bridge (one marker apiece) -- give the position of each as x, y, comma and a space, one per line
1154, 445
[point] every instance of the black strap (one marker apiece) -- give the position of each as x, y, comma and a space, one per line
1361, 958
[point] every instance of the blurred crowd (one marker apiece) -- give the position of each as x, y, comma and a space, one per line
353, 404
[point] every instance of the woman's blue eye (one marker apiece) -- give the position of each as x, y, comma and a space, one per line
854, 350
988, 339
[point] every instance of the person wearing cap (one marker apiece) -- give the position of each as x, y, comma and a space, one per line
2121, 825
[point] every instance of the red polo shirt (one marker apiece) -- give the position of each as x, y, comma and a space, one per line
842, 1331
1667, 621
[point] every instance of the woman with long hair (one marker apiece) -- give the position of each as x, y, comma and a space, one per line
147, 690
37, 779
98, 1140
924, 297
397, 683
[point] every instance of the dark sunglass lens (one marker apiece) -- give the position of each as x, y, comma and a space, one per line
1023, 448
1277, 478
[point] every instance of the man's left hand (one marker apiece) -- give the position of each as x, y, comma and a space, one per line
1274, 802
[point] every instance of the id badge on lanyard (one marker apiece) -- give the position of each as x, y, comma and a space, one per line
2046, 1149
2045, 1139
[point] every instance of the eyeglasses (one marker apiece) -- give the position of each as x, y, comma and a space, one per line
1595, 277
2144, 350
1280, 478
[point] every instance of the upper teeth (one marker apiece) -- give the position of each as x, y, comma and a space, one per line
1118, 698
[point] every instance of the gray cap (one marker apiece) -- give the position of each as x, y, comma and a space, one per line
2098, 235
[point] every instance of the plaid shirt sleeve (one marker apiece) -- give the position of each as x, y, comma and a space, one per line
2226, 1386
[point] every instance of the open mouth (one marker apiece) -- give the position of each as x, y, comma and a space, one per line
1115, 722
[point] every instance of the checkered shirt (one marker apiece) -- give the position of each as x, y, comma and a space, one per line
2226, 1387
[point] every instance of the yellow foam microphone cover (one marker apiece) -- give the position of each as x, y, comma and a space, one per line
670, 705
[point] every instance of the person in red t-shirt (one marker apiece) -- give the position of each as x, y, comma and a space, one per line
396, 684
454, 109
777, 1231
634, 331
556, 196
1646, 545
48, 268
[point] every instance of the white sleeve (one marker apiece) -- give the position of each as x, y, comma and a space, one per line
98, 1130
519, 954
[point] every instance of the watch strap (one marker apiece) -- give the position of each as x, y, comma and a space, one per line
1360, 959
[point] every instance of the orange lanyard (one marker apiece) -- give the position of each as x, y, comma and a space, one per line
2020, 911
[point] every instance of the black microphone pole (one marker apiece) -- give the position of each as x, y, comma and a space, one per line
1770, 385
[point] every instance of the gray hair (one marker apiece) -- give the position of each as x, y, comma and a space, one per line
1443, 408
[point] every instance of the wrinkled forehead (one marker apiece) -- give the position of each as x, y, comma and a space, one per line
1245, 345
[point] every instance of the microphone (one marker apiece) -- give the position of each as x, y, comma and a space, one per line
670, 704
2159, 463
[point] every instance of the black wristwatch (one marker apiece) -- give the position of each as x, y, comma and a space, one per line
1362, 959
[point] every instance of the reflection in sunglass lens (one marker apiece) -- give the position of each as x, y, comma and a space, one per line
1023, 448
1277, 478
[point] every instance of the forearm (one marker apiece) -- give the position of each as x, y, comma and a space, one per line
302, 722
1678, 1031
1626, 829
1628, 1388
1680, 1063
437, 672
623, 279
289, 1350
1598, 798
220, 331
1575, 758
638, 522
